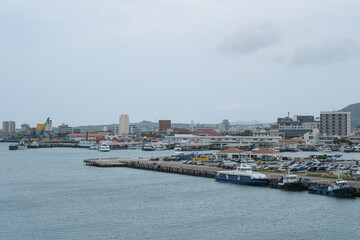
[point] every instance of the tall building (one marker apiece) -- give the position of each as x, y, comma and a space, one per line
224, 126
25, 129
335, 123
124, 124
297, 127
8, 127
164, 125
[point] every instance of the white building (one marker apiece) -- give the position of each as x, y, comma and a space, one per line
133, 129
8, 127
124, 127
335, 123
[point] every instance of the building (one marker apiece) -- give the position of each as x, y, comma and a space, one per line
335, 123
64, 129
114, 129
133, 129
297, 127
312, 138
124, 127
164, 125
8, 127
224, 126
91, 136
25, 129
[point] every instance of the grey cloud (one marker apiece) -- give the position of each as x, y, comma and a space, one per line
250, 40
326, 52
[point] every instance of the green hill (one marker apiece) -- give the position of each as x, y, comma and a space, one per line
355, 113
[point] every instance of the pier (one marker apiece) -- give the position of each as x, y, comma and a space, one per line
176, 167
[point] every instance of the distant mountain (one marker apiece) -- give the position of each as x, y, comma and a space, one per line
355, 113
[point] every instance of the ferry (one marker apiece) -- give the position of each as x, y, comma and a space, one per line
243, 175
339, 188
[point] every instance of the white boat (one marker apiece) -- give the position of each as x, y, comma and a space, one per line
242, 175
148, 147
94, 147
177, 148
22, 146
356, 175
84, 144
327, 150
356, 148
34, 144
345, 149
104, 148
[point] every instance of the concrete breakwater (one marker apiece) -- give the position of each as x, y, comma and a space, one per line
169, 167
193, 170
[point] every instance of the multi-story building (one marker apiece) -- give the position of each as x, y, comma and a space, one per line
164, 125
133, 129
335, 123
114, 129
8, 127
297, 127
25, 129
224, 126
64, 129
124, 124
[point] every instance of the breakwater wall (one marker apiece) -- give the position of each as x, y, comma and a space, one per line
201, 171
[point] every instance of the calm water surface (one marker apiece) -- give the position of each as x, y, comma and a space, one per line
50, 194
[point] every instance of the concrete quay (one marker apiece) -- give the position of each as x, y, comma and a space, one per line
177, 167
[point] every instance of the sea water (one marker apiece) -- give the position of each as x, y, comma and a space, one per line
49, 193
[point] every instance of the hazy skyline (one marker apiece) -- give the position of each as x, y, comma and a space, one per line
87, 62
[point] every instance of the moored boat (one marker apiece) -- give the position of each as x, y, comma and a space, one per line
243, 175
289, 182
339, 188
104, 148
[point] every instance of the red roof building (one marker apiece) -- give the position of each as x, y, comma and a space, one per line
206, 132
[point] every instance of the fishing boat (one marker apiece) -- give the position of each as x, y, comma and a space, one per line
339, 188
289, 182
243, 175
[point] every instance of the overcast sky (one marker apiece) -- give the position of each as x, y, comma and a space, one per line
88, 61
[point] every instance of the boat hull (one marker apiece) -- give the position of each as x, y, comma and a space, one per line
254, 182
344, 192
294, 186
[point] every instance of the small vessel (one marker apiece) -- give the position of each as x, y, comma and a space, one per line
94, 147
345, 149
356, 175
84, 144
148, 147
34, 144
177, 148
104, 148
339, 188
289, 182
327, 149
243, 175
22, 146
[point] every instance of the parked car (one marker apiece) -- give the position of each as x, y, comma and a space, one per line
228, 164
